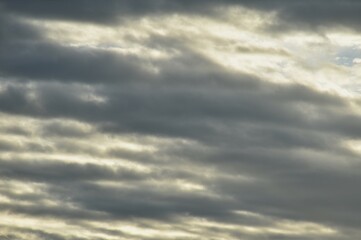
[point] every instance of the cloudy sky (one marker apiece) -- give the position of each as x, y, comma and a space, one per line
180, 119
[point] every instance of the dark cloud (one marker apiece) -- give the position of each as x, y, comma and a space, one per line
309, 14
222, 141
51, 62
100, 12
44, 171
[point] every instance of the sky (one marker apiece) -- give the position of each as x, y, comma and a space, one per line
180, 120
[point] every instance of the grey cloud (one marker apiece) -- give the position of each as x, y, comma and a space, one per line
142, 108
51, 62
309, 14
276, 150
27, 55
61, 128
100, 12
23, 233
16, 130
173, 108
144, 202
314, 14
13, 29
44, 171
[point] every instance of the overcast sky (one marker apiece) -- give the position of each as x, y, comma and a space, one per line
180, 119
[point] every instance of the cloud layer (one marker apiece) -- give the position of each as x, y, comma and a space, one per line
179, 120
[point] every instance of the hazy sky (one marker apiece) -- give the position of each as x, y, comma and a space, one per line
180, 119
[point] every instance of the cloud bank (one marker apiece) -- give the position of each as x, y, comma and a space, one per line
180, 120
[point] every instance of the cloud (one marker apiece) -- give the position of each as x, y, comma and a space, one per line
176, 120
309, 14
